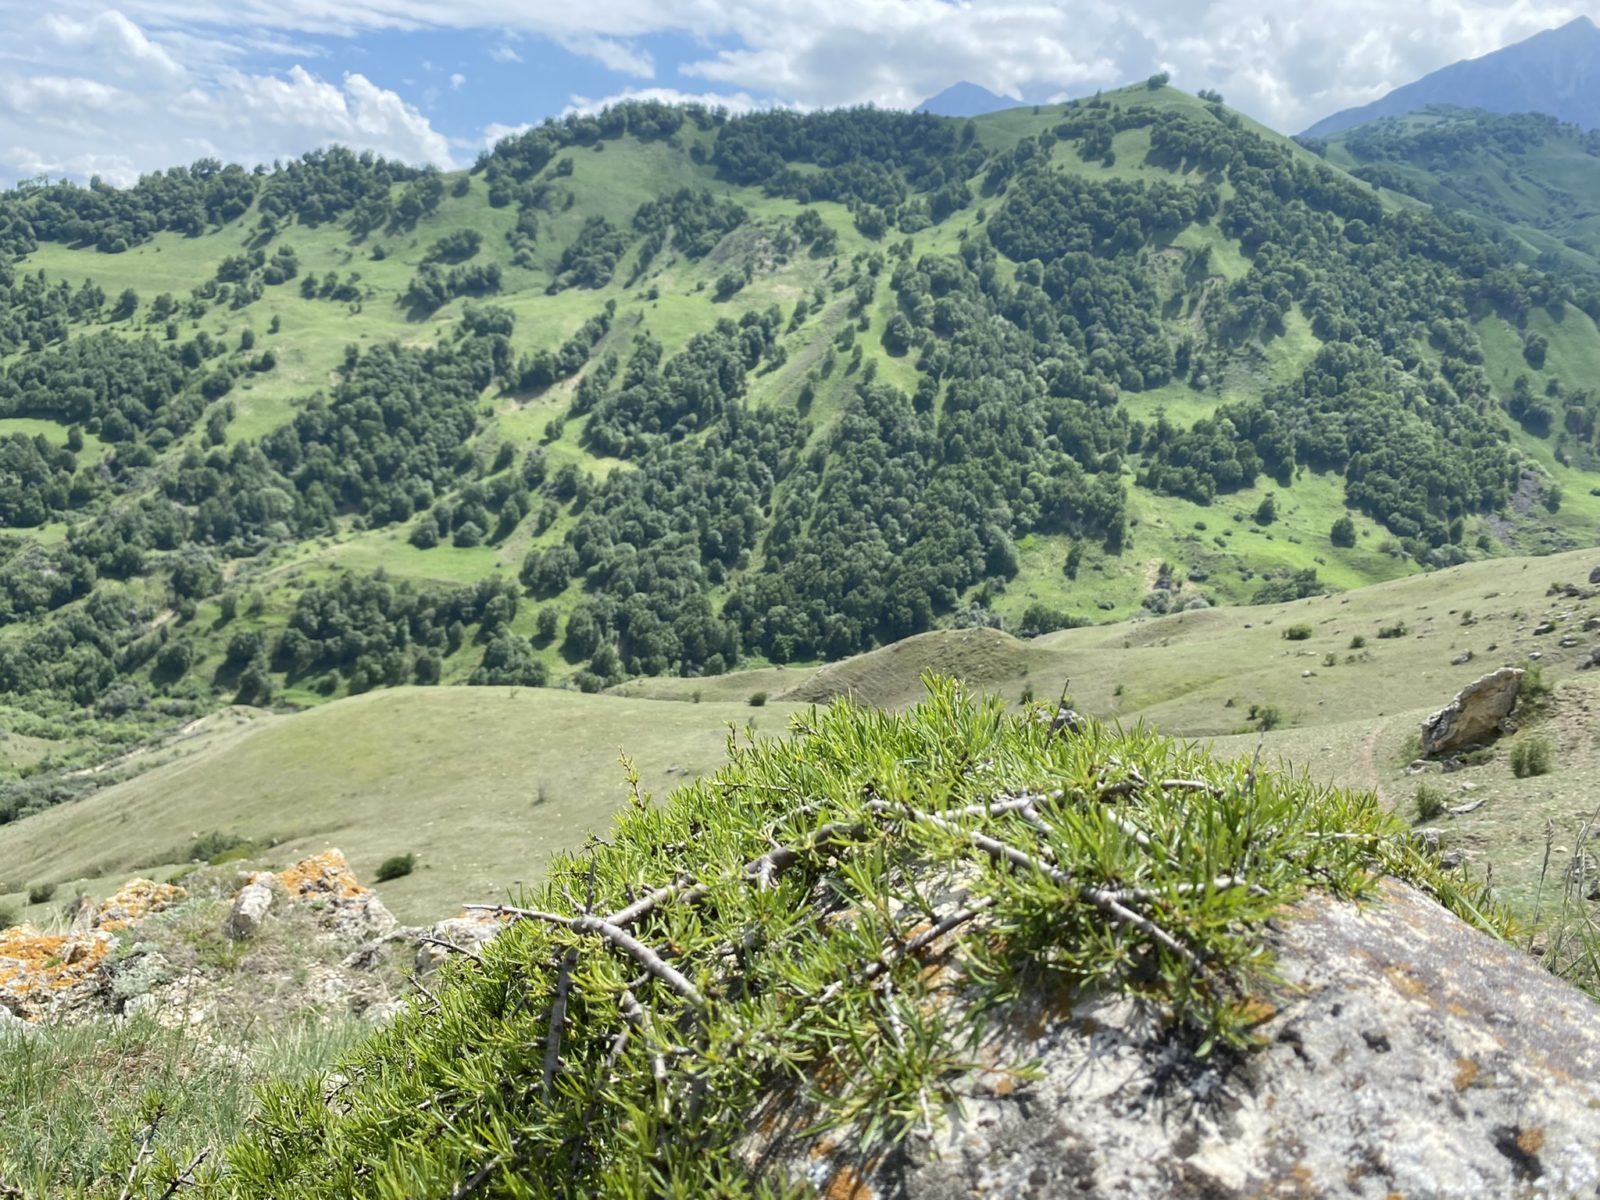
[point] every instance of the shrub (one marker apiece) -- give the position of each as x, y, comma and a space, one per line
1534, 689
8, 918
1298, 633
41, 893
1397, 630
757, 699
395, 868
1429, 800
1357, 642
1266, 716
1532, 756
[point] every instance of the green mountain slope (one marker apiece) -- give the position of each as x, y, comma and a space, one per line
1525, 171
661, 393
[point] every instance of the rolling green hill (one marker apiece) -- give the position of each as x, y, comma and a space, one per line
485, 784
662, 393
1527, 172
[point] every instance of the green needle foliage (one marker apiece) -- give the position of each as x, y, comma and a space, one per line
761, 951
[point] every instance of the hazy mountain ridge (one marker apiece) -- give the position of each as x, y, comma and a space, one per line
1556, 72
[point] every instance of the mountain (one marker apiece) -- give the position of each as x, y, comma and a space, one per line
662, 393
1556, 72
966, 100
1525, 173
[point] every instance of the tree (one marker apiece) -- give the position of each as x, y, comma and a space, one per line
1343, 533
1267, 510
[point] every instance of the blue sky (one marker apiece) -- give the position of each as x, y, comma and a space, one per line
90, 88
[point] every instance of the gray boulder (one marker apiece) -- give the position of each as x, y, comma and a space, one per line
1403, 1053
1474, 716
250, 908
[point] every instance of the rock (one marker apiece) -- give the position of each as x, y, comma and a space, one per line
1475, 714
470, 932
346, 909
45, 973
135, 900
1427, 838
250, 908
1403, 1054
1590, 624
1594, 575
1453, 858
1543, 628
1461, 660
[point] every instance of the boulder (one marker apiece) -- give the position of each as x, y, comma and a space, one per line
1474, 716
1402, 1053
250, 908
1594, 575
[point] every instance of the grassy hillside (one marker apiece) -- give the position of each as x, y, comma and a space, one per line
661, 394
485, 784
1527, 172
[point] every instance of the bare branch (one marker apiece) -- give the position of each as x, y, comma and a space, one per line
447, 944
619, 938
1190, 785
558, 1016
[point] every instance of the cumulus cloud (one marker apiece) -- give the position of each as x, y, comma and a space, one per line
456, 81
133, 106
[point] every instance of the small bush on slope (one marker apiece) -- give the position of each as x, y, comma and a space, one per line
747, 914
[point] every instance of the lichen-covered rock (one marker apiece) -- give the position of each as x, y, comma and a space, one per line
45, 973
135, 900
250, 908
1405, 1054
346, 908
1474, 716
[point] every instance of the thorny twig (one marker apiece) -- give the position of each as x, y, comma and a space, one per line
145, 1147
447, 944
185, 1177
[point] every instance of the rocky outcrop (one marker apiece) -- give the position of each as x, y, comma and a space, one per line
1404, 1054
345, 907
1474, 716
135, 900
42, 974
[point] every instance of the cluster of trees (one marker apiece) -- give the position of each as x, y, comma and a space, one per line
322, 186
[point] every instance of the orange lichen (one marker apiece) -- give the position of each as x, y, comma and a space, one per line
1466, 1074
847, 1185
326, 874
34, 966
135, 900
1530, 1141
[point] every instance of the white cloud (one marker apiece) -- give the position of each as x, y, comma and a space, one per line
132, 106
498, 133
505, 54
610, 54
117, 41
456, 81
737, 102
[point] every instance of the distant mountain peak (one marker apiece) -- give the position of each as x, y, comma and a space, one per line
1556, 72
966, 99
